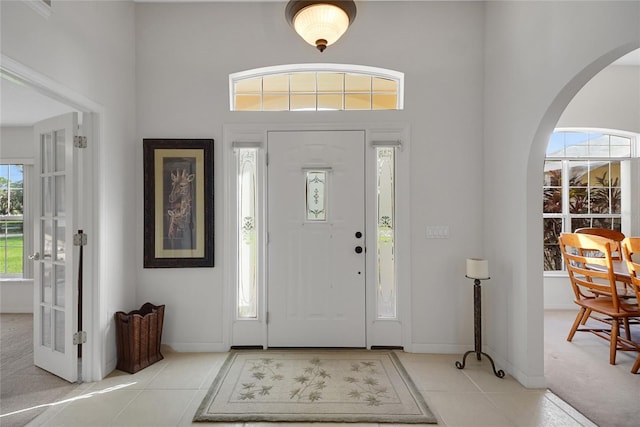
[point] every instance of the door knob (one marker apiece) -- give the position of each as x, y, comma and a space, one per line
358, 249
35, 256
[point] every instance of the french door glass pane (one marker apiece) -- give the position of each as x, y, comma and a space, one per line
59, 285
60, 239
60, 196
47, 196
59, 330
60, 150
46, 283
46, 153
47, 239
386, 278
45, 315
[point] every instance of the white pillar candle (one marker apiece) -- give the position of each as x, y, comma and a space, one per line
477, 268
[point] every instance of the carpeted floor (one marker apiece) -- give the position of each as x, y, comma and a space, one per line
24, 386
579, 372
314, 386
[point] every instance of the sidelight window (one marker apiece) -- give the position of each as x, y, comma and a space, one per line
247, 242
386, 266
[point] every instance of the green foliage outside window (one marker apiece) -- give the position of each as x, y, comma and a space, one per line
588, 198
11, 221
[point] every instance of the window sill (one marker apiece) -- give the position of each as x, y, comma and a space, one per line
559, 274
15, 281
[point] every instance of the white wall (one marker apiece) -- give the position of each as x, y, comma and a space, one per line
16, 145
537, 57
88, 47
611, 100
184, 56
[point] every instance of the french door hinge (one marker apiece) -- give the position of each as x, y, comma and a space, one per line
79, 337
266, 158
79, 239
266, 318
80, 141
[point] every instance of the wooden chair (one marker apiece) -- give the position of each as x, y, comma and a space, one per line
615, 235
631, 251
616, 253
595, 290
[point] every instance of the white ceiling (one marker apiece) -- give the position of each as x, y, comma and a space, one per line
22, 106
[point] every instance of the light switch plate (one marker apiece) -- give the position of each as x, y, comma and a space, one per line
437, 232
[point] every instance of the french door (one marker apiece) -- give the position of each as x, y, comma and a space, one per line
55, 272
316, 239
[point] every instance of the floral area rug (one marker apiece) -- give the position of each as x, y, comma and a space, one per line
314, 386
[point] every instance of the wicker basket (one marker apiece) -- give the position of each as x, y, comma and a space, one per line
138, 335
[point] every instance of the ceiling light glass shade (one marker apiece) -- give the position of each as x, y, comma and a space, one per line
320, 23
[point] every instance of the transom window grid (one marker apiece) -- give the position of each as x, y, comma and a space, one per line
315, 91
11, 220
582, 186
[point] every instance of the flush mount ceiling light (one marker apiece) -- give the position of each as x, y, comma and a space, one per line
321, 22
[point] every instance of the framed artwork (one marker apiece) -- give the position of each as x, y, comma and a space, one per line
178, 203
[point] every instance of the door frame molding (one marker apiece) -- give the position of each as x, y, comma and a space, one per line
88, 194
254, 332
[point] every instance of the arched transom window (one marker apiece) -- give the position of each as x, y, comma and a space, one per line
316, 87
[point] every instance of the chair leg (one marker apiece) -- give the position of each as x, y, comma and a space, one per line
636, 366
576, 323
627, 331
614, 340
586, 316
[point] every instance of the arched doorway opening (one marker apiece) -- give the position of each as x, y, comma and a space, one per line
553, 118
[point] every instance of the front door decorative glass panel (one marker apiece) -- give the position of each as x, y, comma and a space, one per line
316, 187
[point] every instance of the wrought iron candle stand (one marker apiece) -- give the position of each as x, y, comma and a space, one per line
472, 270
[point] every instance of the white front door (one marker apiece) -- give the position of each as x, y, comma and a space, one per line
316, 241
55, 273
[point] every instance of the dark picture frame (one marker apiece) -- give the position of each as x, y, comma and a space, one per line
178, 203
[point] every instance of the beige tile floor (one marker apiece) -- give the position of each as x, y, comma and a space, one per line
169, 392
